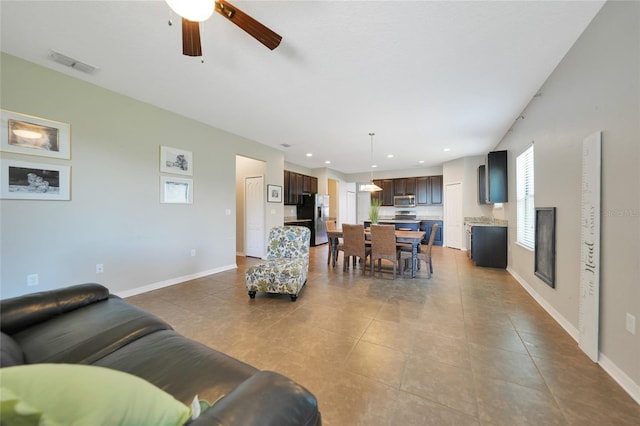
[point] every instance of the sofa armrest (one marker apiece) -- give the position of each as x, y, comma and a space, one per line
266, 398
21, 312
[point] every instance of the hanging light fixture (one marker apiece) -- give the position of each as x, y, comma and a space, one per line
371, 187
193, 10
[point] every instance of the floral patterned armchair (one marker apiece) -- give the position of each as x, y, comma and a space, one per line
286, 266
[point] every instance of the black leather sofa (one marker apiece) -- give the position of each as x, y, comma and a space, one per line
84, 324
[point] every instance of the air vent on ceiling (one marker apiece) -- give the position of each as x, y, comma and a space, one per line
72, 63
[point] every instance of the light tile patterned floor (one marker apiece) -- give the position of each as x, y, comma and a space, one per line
467, 347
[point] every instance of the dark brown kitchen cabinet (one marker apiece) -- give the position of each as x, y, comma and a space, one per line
422, 189
306, 184
296, 184
482, 185
404, 186
387, 192
497, 177
285, 192
436, 189
400, 186
428, 190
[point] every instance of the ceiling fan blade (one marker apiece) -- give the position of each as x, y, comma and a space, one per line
191, 38
254, 28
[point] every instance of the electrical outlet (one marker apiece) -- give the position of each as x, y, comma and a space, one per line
227, 212
99, 268
631, 323
32, 280
193, 252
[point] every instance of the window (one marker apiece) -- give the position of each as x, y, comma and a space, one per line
524, 195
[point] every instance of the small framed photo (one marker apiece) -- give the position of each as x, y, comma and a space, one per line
175, 160
24, 134
175, 190
34, 181
274, 194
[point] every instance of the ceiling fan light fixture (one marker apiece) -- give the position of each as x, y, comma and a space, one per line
193, 10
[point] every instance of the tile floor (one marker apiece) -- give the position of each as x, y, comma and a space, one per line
467, 347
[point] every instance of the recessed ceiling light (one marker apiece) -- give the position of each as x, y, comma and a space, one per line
447, 149
309, 154
327, 162
421, 162
389, 155
374, 166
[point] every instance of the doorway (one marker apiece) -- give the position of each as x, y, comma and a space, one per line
254, 216
453, 215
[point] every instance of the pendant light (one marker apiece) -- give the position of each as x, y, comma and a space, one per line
193, 10
371, 187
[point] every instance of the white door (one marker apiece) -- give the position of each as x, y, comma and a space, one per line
351, 207
254, 216
453, 226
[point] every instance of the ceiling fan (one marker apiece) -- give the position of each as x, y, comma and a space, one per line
195, 11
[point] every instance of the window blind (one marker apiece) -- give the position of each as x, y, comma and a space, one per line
525, 199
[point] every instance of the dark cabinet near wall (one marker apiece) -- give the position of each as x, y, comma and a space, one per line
497, 190
482, 185
489, 246
296, 184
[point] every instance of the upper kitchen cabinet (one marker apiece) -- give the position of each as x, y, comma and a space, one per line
497, 177
436, 189
404, 186
482, 184
428, 190
296, 184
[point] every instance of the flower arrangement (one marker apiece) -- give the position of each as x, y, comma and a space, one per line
374, 210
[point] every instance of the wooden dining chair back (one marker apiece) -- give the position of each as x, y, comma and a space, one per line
424, 255
331, 226
383, 246
353, 245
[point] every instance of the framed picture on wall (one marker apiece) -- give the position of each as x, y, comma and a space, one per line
175, 190
274, 194
175, 160
545, 245
24, 134
34, 181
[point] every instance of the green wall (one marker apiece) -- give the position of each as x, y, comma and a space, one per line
115, 216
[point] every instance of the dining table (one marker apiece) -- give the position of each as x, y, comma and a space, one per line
412, 237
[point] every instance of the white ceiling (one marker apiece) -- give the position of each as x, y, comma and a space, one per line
422, 75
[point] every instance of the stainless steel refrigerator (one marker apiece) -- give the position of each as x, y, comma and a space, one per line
316, 208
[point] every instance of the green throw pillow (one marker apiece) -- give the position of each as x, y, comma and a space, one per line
66, 394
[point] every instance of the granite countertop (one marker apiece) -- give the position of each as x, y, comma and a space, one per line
500, 225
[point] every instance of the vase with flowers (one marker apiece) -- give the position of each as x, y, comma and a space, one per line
374, 210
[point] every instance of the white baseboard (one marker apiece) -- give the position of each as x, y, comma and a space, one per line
569, 328
631, 387
173, 281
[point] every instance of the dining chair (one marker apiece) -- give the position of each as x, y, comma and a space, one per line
424, 255
331, 226
354, 245
383, 246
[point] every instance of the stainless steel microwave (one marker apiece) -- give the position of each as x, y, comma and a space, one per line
404, 201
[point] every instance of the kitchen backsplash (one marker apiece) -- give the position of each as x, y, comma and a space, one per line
420, 212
